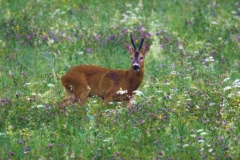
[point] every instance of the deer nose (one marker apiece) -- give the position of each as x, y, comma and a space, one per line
136, 67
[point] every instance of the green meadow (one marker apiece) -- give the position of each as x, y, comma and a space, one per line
187, 107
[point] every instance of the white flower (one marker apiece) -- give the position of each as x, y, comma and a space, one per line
209, 59
129, 5
230, 95
2, 134
213, 22
226, 79
211, 104
138, 93
122, 91
236, 83
180, 47
50, 41
185, 145
38, 106
210, 150
201, 141
203, 133
29, 84
227, 88
200, 130
50, 85
173, 72
193, 135
79, 52
137, 9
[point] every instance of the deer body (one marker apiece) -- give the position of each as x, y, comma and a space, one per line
86, 80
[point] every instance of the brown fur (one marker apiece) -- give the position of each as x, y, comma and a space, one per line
85, 80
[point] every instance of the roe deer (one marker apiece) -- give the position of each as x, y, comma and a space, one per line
85, 80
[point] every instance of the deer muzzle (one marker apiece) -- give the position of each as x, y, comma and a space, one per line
136, 67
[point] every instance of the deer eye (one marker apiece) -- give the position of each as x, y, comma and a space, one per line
141, 58
131, 58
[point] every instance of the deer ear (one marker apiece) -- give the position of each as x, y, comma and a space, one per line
145, 48
129, 48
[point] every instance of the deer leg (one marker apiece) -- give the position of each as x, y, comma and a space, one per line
81, 94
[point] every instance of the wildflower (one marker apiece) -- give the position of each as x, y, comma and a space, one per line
226, 79
79, 52
129, 5
50, 41
185, 145
121, 91
193, 135
209, 59
230, 95
201, 141
227, 88
203, 133
211, 104
11, 153
89, 50
173, 72
50, 145
213, 22
200, 130
138, 93
50, 85
29, 36
210, 150
39, 106
236, 83
180, 47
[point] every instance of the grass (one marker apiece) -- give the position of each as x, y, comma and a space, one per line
190, 102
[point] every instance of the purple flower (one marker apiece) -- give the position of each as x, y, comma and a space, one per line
24, 73
168, 38
47, 107
11, 153
51, 145
160, 152
238, 37
29, 37
124, 30
142, 121
54, 38
89, 50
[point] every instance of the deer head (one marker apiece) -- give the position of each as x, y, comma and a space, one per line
137, 55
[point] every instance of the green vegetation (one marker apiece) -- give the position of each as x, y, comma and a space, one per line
190, 102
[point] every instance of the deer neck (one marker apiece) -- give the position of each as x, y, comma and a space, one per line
135, 78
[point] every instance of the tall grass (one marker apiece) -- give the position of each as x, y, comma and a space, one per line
190, 101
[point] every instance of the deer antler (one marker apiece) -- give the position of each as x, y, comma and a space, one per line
134, 46
141, 43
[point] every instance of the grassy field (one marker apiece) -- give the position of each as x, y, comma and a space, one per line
190, 102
